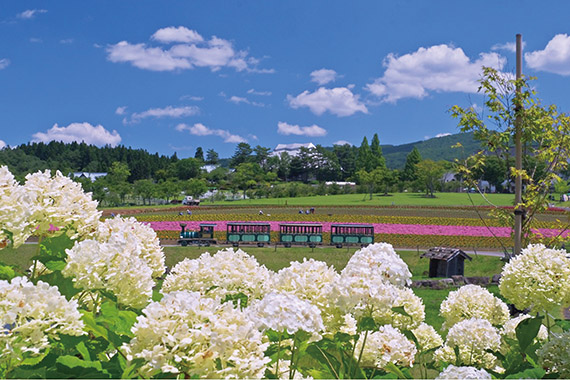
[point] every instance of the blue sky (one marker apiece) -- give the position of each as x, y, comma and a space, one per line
171, 76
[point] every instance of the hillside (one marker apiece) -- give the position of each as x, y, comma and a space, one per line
436, 149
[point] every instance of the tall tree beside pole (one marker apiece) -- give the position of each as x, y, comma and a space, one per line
518, 149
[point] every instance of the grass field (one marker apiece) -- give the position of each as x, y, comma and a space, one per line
280, 258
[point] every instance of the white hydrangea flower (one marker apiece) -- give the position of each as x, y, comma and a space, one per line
453, 372
472, 337
123, 262
147, 240
413, 306
509, 328
379, 260
555, 355
387, 345
473, 301
349, 325
538, 278
226, 272
59, 203
188, 333
29, 315
286, 312
14, 211
427, 337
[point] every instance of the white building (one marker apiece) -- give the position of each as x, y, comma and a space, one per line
291, 149
91, 176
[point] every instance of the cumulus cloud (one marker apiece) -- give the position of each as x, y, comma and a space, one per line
190, 50
174, 112
323, 76
260, 93
289, 129
555, 58
30, 13
180, 34
4, 62
121, 110
440, 68
442, 135
339, 101
95, 135
508, 46
200, 129
238, 100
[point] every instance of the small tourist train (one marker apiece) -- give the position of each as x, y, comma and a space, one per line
298, 234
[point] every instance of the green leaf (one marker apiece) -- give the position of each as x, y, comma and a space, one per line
391, 367
74, 367
55, 265
527, 330
367, 324
329, 365
64, 284
401, 310
238, 299
534, 373
6, 272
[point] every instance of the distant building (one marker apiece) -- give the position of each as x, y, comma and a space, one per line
446, 262
291, 149
209, 168
91, 176
341, 183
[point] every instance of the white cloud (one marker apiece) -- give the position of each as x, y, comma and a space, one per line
2, 144
175, 112
200, 129
555, 58
121, 110
508, 46
289, 129
339, 101
260, 93
323, 76
440, 68
30, 13
95, 135
442, 135
66, 41
342, 142
190, 51
238, 100
4, 62
190, 97
36, 40
180, 34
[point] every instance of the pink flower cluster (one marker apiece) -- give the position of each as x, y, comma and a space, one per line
379, 228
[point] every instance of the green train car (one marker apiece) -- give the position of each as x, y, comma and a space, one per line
248, 233
205, 236
352, 234
310, 234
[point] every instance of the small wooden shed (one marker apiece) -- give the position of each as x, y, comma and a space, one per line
445, 262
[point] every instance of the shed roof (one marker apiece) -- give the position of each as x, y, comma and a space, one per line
446, 254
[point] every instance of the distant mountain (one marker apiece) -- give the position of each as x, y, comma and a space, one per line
438, 148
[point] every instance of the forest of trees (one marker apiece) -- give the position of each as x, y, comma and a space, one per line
252, 171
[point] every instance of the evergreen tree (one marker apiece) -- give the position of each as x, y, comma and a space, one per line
410, 172
377, 158
241, 155
212, 157
199, 155
364, 158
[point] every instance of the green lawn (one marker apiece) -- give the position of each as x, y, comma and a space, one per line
398, 199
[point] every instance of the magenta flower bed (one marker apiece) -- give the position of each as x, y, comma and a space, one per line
379, 228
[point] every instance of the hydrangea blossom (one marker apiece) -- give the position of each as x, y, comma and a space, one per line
473, 337
555, 355
188, 333
121, 263
453, 372
30, 315
59, 203
427, 337
286, 312
538, 278
379, 260
226, 272
473, 301
387, 345
413, 306
14, 212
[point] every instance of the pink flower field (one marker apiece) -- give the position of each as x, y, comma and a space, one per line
379, 228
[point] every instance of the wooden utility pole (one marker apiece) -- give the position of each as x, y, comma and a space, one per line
518, 151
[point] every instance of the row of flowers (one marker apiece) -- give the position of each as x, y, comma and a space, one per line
93, 306
340, 218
